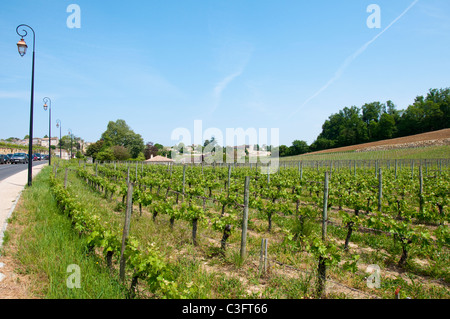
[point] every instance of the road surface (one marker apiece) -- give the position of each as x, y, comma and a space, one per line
7, 170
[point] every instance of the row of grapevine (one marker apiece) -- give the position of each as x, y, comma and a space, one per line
289, 195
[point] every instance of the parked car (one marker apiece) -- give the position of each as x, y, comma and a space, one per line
46, 157
38, 156
19, 158
4, 159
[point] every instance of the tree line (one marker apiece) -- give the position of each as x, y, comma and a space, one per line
378, 121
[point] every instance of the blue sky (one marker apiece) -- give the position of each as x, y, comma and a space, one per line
160, 65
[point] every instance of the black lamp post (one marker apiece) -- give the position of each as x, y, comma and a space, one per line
46, 99
58, 124
22, 48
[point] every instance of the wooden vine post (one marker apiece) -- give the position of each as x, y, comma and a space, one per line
420, 189
184, 177
126, 230
325, 208
380, 189
245, 218
395, 169
229, 176
263, 257
65, 178
322, 267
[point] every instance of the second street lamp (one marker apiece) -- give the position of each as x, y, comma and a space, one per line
22, 48
46, 99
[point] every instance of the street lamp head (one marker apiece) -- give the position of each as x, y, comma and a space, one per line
57, 125
22, 47
46, 99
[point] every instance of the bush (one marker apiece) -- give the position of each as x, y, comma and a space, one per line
106, 155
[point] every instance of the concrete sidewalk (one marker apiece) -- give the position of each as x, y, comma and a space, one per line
10, 190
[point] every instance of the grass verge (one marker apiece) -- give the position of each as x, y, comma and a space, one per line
46, 247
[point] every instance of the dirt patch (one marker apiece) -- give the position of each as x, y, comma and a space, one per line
14, 285
436, 138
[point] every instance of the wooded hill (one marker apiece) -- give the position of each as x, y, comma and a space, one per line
378, 121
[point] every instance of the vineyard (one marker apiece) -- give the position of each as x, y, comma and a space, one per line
315, 229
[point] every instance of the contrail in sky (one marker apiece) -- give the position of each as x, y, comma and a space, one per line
352, 57
220, 87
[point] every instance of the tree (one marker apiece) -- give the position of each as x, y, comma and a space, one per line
119, 133
352, 130
105, 155
372, 111
373, 130
79, 155
375, 121
150, 150
95, 148
283, 151
426, 113
322, 143
298, 147
386, 127
135, 144
331, 127
211, 145
120, 152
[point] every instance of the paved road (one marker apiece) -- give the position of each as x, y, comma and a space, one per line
7, 170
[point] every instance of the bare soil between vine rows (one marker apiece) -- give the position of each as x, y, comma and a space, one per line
436, 138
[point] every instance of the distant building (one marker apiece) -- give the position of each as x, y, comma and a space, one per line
159, 160
44, 141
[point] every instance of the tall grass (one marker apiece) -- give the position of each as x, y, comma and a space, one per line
46, 244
